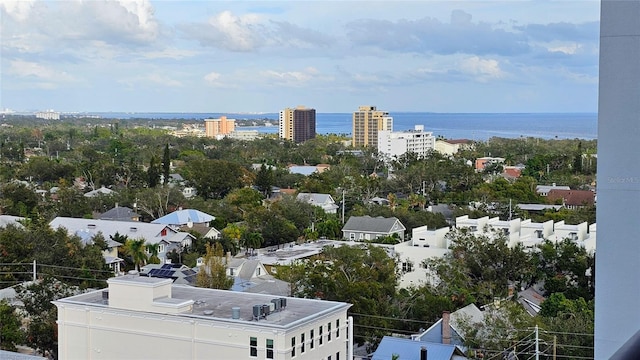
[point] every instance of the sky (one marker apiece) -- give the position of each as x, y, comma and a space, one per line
263, 56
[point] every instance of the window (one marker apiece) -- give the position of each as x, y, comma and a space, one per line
311, 344
293, 346
258, 272
320, 335
253, 347
328, 332
337, 329
269, 348
160, 248
407, 266
302, 343
329, 357
338, 355
352, 236
231, 271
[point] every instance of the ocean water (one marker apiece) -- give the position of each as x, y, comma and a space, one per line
473, 126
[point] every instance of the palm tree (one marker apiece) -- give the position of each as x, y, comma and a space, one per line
136, 250
153, 250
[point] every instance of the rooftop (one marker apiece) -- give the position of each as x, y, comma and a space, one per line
218, 304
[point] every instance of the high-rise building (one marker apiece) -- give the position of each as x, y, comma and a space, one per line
297, 125
396, 144
367, 121
219, 127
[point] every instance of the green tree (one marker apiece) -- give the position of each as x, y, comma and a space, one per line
10, 326
264, 180
135, 251
213, 272
364, 276
153, 249
37, 297
214, 179
153, 173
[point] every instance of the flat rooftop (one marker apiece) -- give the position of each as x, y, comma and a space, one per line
218, 305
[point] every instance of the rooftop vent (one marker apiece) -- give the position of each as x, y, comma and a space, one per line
91, 226
235, 313
208, 312
133, 229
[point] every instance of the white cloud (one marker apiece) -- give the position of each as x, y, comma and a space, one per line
22, 68
569, 49
291, 78
17, 9
481, 69
212, 78
238, 33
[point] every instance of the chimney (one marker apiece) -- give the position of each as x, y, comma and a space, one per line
228, 257
423, 353
446, 328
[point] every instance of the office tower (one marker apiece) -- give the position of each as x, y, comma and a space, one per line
617, 273
219, 127
367, 121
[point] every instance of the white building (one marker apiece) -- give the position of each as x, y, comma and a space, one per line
48, 115
149, 318
397, 143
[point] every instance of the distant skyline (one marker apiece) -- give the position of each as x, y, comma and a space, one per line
263, 56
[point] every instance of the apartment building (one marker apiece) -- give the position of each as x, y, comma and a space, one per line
297, 125
397, 143
141, 317
217, 128
367, 121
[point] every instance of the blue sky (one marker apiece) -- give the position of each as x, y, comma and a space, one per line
262, 56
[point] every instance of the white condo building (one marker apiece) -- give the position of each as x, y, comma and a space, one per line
397, 143
141, 317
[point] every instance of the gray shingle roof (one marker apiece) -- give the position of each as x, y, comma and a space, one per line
371, 225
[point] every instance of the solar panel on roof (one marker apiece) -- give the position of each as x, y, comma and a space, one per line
167, 266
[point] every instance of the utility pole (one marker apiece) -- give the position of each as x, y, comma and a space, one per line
343, 206
537, 345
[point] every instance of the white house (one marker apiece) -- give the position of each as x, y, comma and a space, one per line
167, 237
140, 317
323, 201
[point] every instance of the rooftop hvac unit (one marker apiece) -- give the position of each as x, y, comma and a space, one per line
266, 310
283, 302
277, 304
257, 312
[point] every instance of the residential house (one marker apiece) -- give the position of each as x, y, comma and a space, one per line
451, 328
251, 276
323, 201
424, 244
167, 238
543, 190
11, 220
390, 347
98, 192
533, 234
307, 170
572, 199
120, 213
139, 317
185, 217
531, 299
483, 162
452, 146
362, 228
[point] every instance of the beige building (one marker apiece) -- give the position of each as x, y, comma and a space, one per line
150, 318
297, 125
219, 127
367, 121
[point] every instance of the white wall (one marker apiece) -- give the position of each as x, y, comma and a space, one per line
617, 311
